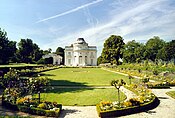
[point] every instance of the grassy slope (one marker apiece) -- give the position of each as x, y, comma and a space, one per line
82, 76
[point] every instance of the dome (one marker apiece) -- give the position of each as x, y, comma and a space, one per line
80, 41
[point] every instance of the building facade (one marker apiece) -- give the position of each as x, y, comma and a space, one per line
57, 59
80, 54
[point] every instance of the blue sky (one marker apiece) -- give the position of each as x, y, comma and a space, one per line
57, 23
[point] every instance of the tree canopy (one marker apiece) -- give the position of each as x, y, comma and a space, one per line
29, 52
112, 50
7, 48
133, 52
153, 45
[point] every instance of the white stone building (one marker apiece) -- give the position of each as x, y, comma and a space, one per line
80, 54
57, 59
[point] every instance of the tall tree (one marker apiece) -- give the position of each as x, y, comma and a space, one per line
112, 50
29, 52
167, 52
7, 48
153, 45
133, 52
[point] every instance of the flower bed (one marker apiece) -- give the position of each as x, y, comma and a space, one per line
127, 110
159, 85
49, 109
144, 101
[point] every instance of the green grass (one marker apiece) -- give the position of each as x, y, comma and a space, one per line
81, 96
82, 76
171, 94
18, 65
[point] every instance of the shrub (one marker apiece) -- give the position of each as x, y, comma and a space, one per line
155, 72
134, 102
50, 113
23, 108
127, 104
42, 106
145, 80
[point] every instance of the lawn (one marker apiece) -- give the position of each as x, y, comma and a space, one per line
18, 65
171, 94
82, 76
81, 96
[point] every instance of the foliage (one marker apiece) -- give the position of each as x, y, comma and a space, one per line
29, 105
7, 48
133, 52
28, 52
153, 45
117, 83
60, 51
167, 53
112, 50
48, 60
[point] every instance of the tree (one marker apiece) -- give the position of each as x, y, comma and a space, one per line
133, 52
112, 50
167, 52
29, 52
60, 51
99, 60
7, 48
153, 45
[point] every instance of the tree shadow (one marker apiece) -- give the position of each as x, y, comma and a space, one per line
43, 74
65, 112
62, 86
67, 83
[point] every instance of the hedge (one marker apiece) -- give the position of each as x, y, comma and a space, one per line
33, 110
129, 110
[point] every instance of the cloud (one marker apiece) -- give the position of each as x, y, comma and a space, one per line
70, 11
139, 22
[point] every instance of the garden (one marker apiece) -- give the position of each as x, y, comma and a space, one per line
18, 92
51, 87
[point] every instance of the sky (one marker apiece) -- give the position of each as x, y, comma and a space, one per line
58, 23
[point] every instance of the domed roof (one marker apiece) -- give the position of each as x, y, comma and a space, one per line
80, 41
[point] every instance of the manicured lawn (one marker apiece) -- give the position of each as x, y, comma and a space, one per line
82, 76
171, 94
18, 65
83, 96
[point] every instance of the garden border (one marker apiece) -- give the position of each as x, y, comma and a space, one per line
130, 110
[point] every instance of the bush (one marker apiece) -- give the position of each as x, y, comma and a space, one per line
134, 102
155, 72
42, 106
24, 108
50, 113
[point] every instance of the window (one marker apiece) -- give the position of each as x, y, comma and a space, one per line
80, 60
91, 61
69, 61
86, 60
69, 53
92, 55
